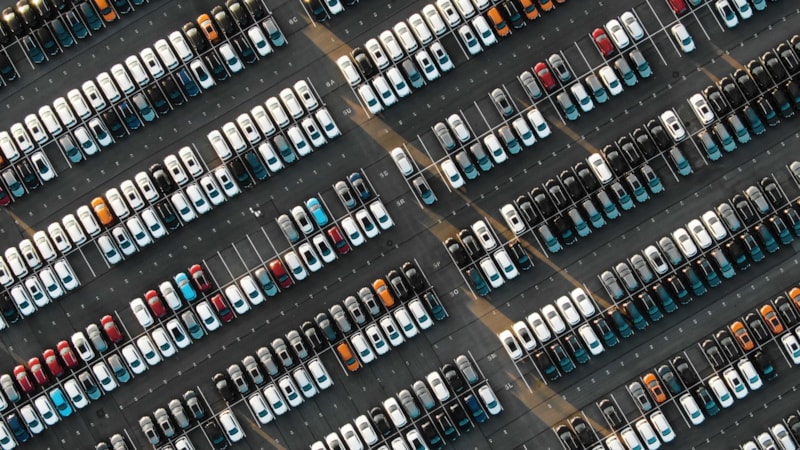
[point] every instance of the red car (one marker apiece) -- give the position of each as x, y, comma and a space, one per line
53, 365
5, 199
338, 240
35, 366
67, 355
23, 380
603, 43
154, 302
199, 277
280, 274
223, 309
678, 6
544, 75
111, 329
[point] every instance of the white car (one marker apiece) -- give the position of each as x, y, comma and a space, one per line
267, 152
24, 304
782, 436
376, 339
138, 232
50, 283
50, 121
165, 53
202, 74
402, 161
291, 103
651, 441
64, 112
362, 348
507, 267
231, 59
234, 137
469, 39
36, 292
434, 19
306, 95
334, 6
369, 99
383, 90
617, 34
743, 8
365, 430
452, 174
59, 237
141, 312
294, 265
448, 11
207, 316
714, 225
103, 375
320, 373
219, 145
691, 409
162, 342
117, 204
248, 128
726, 13
489, 399
66, 275
326, 122
225, 180
92, 93
420, 29
122, 79
524, 132
133, 358
735, 383
538, 123
458, 126
82, 346
21, 137
510, 344
792, 347
684, 242
108, 86
590, 339
662, 426
180, 45
539, 327
289, 390
391, 46
701, 109
438, 386
231, 426
169, 295
568, 310
582, 301
553, 319
46, 411
600, 168
610, 80
720, 391
524, 335
429, 70
259, 40
197, 198
87, 220
375, 51
277, 112
146, 186
175, 169
405, 322
36, 128
250, 289
582, 97
260, 408
351, 230
683, 38
31, 419
15, 262
405, 37
236, 299
153, 223
699, 233
182, 207
632, 25
512, 218
190, 161
420, 314
151, 62
348, 70
441, 57
673, 125
313, 132
484, 235
275, 399
366, 223
44, 246
263, 120
391, 331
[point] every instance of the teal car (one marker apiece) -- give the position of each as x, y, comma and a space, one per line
317, 212
60, 402
187, 291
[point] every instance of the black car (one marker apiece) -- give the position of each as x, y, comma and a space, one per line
564, 230
615, 159
224, 23
48, 41
195, 38
784, 307
737, 254
764, 365
7, 309
161, 178
414, 276
363, 62
780, 101
470, 243
559, 198
312, 334
445, 426
583, 430
215, 435
611, 413
240, 174
316, 10
731, 92
129, 115
20, 431
685, 371
767, 110
644, 142
453, 378
628, 150
546, 365
167, 215
543, 202
172, 91
457, 251
744, 208
5, 34
757, 327
526, 210
428, 432
47, 8
772, 192
587, 178
511, 12
774, 67
7, 69
793, 423
238, 13
379, 419
13, 22
224, 386
759, 74
678, 289
746, 84
157, 99
729, 348
213, 63
254, 8
459, 416
244, 49
571, 185
713, 354
256, 166
669, 379
28, 175
520, 255
716, 101
662, 140
788, 57
398, 283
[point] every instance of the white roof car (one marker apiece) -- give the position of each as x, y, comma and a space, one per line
198, 199
21, 137
231, 426
133, 358
236, 299
691, 409
507, 267
510, 344
425, 63
582, 301
437, 385
396, 415
46, 411
743, 8
294, 265
469, 39
260, 408
404, 35
684, 242
735, 383
277, 112
306, 95
275, 399
375, 51
108, 87
162, 341
220, 146
15, 262
792, 347
169, 295
145, 186
229, 56
441, 57
36, 128
59, 237
370, 99
180, 45
484, 235
512, 218
366, 223
682, 36
117, 204
489, 399
267, 152
248, 128
175, 169
182, 207
524, 335
365, 430
31, 419
390, 45
452, 174
66, 275
701, 109
524, 132
81, 346
420, 29
714, 225
383, 90
610, 80
22, 301
304, 383
320, 373
491, 272
50, 283
568, 310
203, 76
781, 435
448, 11
64, 112
720, 391
165, 53
405, 322
632, 25
402, 161
289, 390
141, 312
539, 327
36, 292
536, 119
351, 230
326, 122
600, 168
153, 223
647, 433
207, 316
434, 19
87, 220
581, 96
617, 34
6, 276
44, 246
699, 233
151, 62
50, 120
726, 13
465, 7
190, 161
590, 339
291, 103
458, 126
391, 330
420, 314
662, 426
553, 319
251, 290
656, 259
263, 120
312, 130
299, 141
122, 79
259, 40
92, 93
348, 70
234, 137
225, 180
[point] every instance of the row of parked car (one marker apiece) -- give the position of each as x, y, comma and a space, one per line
221, 430
779, 433
578, 433
428, 418
37, 290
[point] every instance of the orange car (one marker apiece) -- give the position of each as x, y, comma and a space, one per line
498, 21
102, 212
529, 9
546, 5
383, 292
794, 294
105, 10
346, 354
652, 384
208, 28
771, 317
740, 333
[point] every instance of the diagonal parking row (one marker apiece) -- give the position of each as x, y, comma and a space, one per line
779, 433
400, 421
85, 121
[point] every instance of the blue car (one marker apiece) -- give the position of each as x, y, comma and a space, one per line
317, 212
189, 86
188, 292
60, 401
13, 183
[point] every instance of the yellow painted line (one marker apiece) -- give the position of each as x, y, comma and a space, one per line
575, 136
732, 61
259, 431
25, 227
710, 75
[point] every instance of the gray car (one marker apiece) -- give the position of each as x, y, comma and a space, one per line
466, 368
194, 405
297, 344
324, 323
531, 86
669, 248
424, 395
500, 100
178, 413
267, 362
149, 430
444, 136
408, 403
251, 367
192, 325
282, 352
355, 310
627, 277
345, 194
340, 319
237, 376
118, 442
757, 198
558, 65
119, 369
640, 396
288, 228
94, 335
368, 299
164, 424
640, 266
612, 285
7, 383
